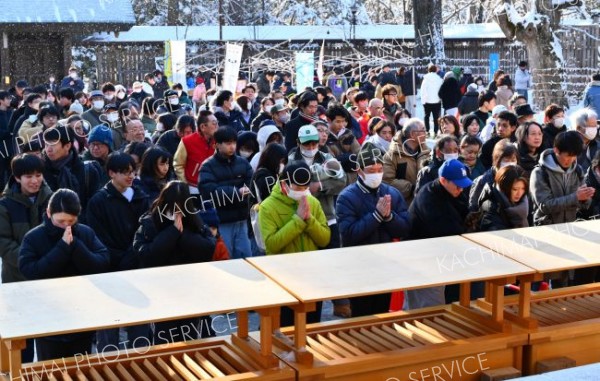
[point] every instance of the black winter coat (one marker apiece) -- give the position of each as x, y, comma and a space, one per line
45, 255
115, 221
550, 133
291, 130
263, 181
468, 103
428, 174
450, 93
169, 141
593, 212
220, 179
159, 243
495, 211
435, 213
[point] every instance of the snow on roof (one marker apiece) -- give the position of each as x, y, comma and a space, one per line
298, 33
66, 11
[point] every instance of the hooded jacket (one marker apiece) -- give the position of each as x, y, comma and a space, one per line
400, 167
18, 215
468, 103
591, 96
553, 190
450, 93
261, 137
232, 119
499, 213
429, 173
284, 231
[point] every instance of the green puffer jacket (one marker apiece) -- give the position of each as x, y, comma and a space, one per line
18, 215
284, 232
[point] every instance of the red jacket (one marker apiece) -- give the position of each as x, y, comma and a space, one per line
198, 150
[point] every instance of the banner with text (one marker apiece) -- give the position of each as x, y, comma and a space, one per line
305, 70
233, 59
174, 63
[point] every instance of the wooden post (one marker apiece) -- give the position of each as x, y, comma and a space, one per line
266, 331
4, 359
497, 292
525, 299
242, 317
465, 294
14, 349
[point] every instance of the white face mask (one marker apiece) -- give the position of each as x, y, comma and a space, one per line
280, 102
174, 101
160, 127
591, 132
506, 163
210, 98
372, 180
112, 117
450, 156
268, 108
559, 122
402, 121
98, 105
245, 154
121, 95
137, 91
284, 118
310, 153
32, 118
109, 97
298, 195
51, 80
281, 167
73, 75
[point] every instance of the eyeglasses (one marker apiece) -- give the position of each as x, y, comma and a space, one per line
392, 94
128, 173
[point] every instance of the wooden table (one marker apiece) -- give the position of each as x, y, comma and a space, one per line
75, 304
561, 322
373, 269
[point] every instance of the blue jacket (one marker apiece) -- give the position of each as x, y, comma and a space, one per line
591, 96
360, 224
77, 85
220, 179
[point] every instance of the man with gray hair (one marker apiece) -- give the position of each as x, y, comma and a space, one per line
405, 157
585, 121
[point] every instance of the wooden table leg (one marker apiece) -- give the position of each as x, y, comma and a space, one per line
302, 355
497, 292
14, 348
4, 363
242, 317
266, 332
525, 299
465, 294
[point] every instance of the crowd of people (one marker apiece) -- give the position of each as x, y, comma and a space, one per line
119, 179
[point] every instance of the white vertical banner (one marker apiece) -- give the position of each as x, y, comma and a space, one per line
305, 70
320, 70
233, 59
178, 66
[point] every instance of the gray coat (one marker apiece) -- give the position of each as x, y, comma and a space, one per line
553, 191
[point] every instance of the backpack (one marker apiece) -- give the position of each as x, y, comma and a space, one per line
254, 209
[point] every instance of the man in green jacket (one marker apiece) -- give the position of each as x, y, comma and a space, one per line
291, 221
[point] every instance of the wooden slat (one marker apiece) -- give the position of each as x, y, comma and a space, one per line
470, 326
110, 375
124, 373
195, 368
80, 376
221, 364
431, 331
423, 334
316, 354
238, 362
208, 366
66, 376
572, 313
95, 375
155, 373
181, 369
409, 334
407, 339
589, 314
333, 346
330, 354
390, 338
373, 344
350, 348
170, 372
545, 312
362, 346
442, 330
464, 334
378, 339
138, 371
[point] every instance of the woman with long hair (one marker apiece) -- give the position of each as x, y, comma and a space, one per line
530, 137
156, 171
172, 233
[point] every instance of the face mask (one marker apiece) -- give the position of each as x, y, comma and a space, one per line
402, 121
158, 79
210, 98
121, 95
268, 108
297, 195
310, 153
372, 180
112, 117
179, 92
109, 97
160, 127
280, 102
137, 91
450, 156
591, 132
32, 118
73, 75
284, 118
174, 101
479, 83
281, 167
245, 154
506, 163
98, 105
169, 215
51, 80
559, 122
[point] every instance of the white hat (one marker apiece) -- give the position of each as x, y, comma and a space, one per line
498, 109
